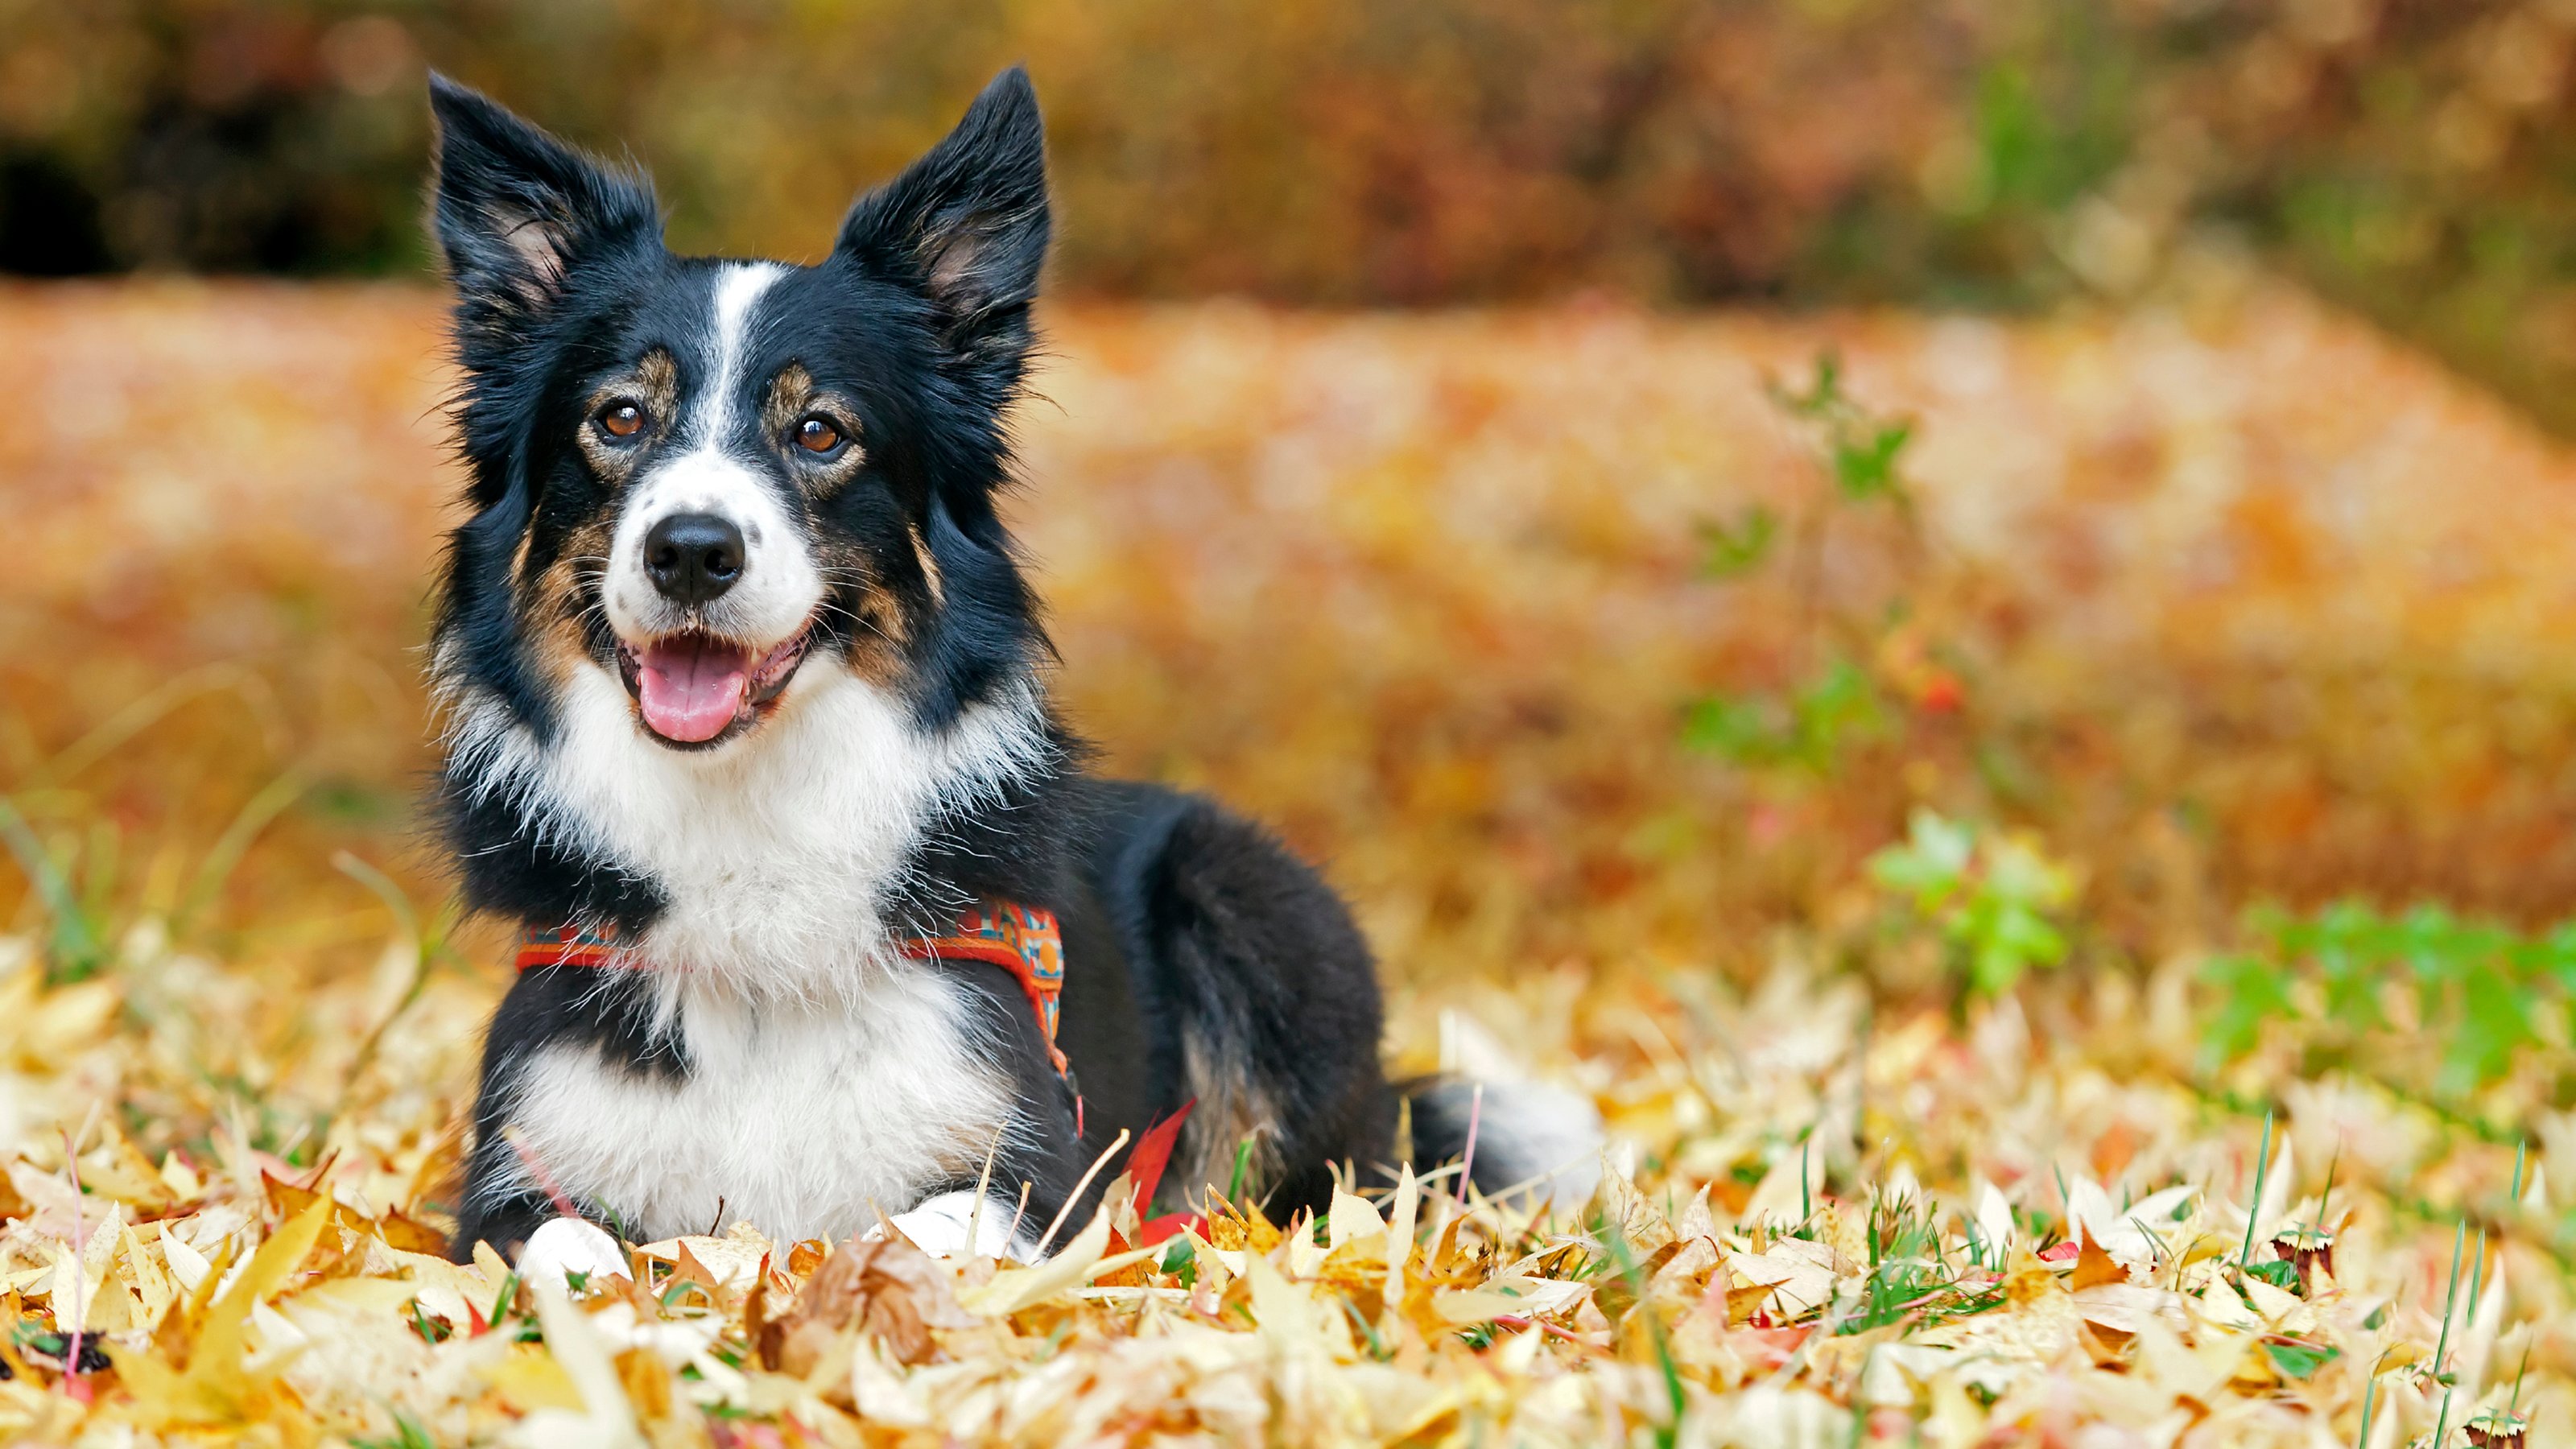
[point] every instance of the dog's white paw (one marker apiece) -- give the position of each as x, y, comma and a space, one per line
570, 1245
939, 1226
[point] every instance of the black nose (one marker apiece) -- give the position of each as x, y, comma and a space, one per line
693, 557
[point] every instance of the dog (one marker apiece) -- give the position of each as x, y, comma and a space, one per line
747, 728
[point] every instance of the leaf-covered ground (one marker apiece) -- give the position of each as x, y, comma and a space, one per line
1908, 797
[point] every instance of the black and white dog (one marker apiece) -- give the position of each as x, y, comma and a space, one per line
748, 727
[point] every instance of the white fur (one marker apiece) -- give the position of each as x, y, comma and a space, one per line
738, 288
1545, 1136
940, 1225
775, 850
1530, 1136
804, 1120
570, 1245
780, 586
829, 1078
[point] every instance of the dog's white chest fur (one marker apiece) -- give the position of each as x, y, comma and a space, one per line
827, 1077
775, 860
805, 1120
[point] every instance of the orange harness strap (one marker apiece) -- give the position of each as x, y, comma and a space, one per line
1022, 940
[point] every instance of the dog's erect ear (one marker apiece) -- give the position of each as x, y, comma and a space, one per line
967, 223
516, 209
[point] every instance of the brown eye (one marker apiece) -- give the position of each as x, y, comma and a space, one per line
815, 435
621, 420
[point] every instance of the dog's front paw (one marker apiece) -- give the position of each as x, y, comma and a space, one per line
939, 1227
563, 1246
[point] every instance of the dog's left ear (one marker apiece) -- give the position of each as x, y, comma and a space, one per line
966, 225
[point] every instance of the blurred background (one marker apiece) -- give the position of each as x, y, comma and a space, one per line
2406, 157
1592, 474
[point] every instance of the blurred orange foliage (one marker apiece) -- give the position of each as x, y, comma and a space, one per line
2407, 155
1427, 593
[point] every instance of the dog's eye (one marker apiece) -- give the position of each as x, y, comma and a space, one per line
817, 435
621, 420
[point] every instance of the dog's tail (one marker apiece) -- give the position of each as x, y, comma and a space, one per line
1517, 1137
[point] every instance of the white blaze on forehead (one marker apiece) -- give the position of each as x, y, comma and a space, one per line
737, 289
780, 587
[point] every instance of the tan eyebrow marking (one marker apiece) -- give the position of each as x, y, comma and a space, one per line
654, 381
791, 395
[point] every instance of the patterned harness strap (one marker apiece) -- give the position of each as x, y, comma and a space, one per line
1022, 940
567, 946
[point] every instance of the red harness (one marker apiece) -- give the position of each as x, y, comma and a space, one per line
1022, 940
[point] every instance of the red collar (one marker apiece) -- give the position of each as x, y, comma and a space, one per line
1022, 940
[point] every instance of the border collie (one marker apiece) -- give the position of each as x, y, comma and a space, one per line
748, 728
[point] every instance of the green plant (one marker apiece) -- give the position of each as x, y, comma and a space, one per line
1837, 698
1860, 447
1908, 1276
408, 1434
2299, 1360
2475, 988
1741, 546
75, 944
1808, 726
1993, 897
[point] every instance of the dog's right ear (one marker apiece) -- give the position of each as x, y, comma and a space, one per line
517, 210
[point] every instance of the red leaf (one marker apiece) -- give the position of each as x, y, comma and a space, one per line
1169, 1225
1153, 1152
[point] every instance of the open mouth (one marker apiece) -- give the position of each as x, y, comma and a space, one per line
692, 688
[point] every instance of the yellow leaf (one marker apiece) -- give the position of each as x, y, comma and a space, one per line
1399, 1229
1475, 1305
137, 1265
221, 1346
218, 1386
1285, 1311
115, 1170
370, 1295
181, 1181
1013, 1289
68, 1019
530, 1379
1352, 1217
599, 1412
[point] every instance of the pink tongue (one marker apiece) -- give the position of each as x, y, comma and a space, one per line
692, 687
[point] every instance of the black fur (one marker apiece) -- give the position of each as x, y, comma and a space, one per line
605, 1010
1205, 963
